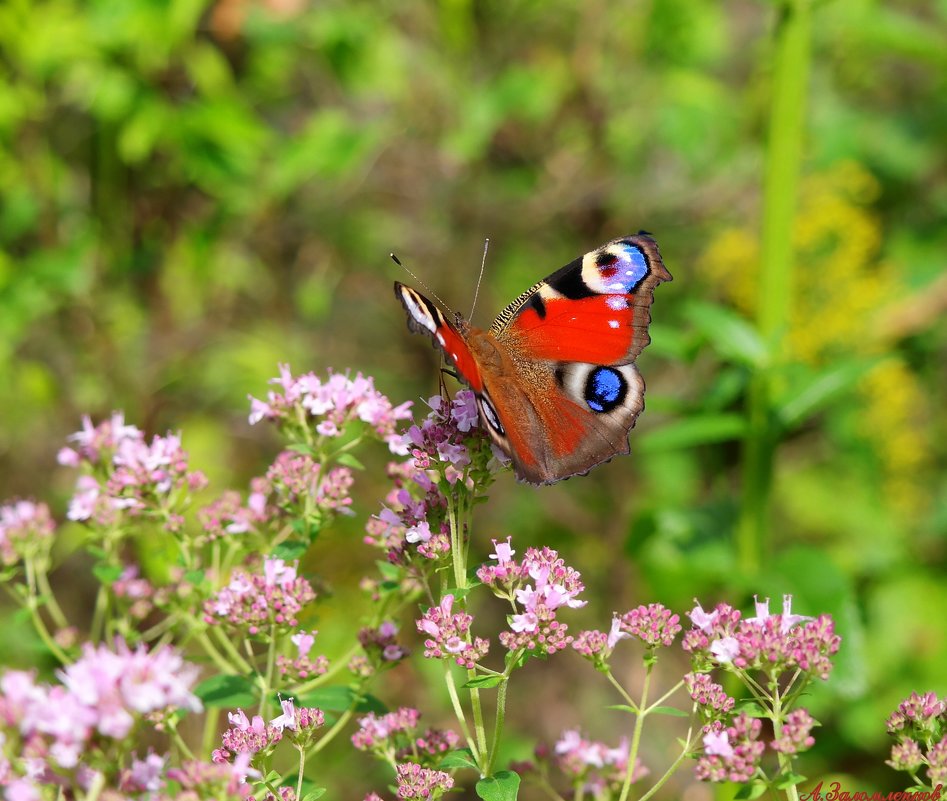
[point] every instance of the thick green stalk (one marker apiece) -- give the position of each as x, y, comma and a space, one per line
783, 160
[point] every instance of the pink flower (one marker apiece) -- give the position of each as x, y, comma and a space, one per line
731, 754
449, 635
331, 404
654, 625
254, 601
26, 527
717, 743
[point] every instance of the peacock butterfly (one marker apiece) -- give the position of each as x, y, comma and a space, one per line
555, 377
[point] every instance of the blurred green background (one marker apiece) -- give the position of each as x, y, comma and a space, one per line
193, 191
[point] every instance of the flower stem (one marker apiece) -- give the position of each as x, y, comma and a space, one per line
459, 711
783, 159
302, 770
673, 767
636, 734
498, 724
785, 760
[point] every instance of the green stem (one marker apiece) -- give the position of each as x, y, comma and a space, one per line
42, 579
302, 769
459, 711
785, 760
336, 728
667, 695
270, 668
216, 657
498, 724
621, 690
783, 160
636, 734
670, 771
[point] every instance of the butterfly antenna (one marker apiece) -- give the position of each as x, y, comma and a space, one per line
397, 261
483, 264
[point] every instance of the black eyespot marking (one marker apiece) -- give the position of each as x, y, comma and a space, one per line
605, 389
560, 375
490, 415
605, 259
570, 284
537, 304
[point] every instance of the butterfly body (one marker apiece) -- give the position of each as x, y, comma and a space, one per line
554, 376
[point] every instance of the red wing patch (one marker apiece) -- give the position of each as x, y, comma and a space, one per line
597, 329
457, 352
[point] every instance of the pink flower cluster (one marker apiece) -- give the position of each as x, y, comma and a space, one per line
441, 435
220, 781
104, 694
25, 528
443, 446
381, 646
774, 643
708, 694
246, 737
228, 514
302, 667
397, 737
135, 591
540, 585
920, 726
591, 766
421, 784
795, 736
255, 736
378, 732
138, 477
334, 403
920, 715
254, 602
295, 477
654, 625
732, 753
449, 635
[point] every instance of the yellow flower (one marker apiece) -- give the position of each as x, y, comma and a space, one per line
841, 291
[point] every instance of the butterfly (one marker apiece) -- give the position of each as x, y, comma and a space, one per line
554, 376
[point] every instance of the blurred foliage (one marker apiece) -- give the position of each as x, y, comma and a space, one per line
192, 191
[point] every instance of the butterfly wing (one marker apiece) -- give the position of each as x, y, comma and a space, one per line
425, 318
569, 392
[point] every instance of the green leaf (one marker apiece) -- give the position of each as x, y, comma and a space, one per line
729, 334
303, 448
290, 550
483, 683
458, 594
623, 708
673, 711
789, 781
752, 709
338, 698
349, 460
227, 691
699, 429
812, 395
750, 791
389, 571
501, 786
462, 758
107, 574
195, 577
312, 795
